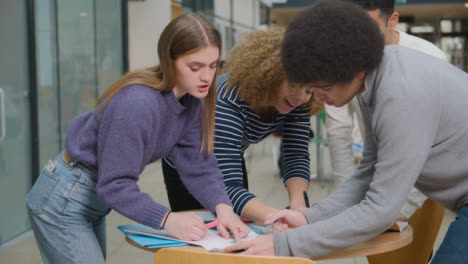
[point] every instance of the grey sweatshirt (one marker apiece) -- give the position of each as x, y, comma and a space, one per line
415, 113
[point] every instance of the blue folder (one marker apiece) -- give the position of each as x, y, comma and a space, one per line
157, 242
148, 241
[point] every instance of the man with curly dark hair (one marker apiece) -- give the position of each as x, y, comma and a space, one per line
341, 130
366, 54
414, 112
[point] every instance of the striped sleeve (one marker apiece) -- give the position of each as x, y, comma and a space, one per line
229, 130
296, 133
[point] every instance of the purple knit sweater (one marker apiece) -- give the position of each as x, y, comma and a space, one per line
138, 126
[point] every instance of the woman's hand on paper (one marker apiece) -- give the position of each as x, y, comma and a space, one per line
286, 219
262, 245
227, 219
185, 226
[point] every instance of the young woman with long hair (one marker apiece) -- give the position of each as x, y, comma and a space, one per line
144, 115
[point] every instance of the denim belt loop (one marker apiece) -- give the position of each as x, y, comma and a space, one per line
66, 157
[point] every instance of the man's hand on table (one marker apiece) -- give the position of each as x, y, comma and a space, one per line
285, 219
265, 245
262, 245
227, 219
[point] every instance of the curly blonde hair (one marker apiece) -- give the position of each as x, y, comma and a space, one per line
255, 68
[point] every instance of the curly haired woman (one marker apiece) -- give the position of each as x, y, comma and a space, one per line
254, 99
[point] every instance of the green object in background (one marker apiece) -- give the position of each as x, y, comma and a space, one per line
321, 141
323, 116
400, 2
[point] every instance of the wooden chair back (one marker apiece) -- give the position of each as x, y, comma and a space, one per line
426, 222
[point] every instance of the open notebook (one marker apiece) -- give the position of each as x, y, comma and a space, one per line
152, 238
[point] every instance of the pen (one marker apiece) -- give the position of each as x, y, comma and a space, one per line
266, 228
212, 224
306, 199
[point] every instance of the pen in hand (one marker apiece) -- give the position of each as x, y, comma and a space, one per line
267, 228
306, 199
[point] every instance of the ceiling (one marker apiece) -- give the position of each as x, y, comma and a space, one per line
281, 16
455, 10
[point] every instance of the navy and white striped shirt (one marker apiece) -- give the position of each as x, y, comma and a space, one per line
237, 126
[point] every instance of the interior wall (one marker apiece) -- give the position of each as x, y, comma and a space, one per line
146, 21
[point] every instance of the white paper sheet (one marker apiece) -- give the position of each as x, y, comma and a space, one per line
214, 242
402, 225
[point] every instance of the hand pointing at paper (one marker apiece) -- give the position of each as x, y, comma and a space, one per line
227, 219
264, 245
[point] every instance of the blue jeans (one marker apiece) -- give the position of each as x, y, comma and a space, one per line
68, 218
454, 247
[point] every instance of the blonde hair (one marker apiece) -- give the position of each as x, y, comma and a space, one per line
185, 34
255, 68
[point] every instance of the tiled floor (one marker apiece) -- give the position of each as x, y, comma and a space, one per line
263, 181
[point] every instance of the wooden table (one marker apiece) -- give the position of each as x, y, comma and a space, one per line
383, 243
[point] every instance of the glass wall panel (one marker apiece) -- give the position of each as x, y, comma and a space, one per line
15, 138
76, 59
47, 81
108, 42
90, 55
79, 54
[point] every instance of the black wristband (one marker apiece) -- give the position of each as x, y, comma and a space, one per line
162, 227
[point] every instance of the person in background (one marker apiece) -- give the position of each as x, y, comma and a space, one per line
139, 118
254, 99
414, 114
340, 123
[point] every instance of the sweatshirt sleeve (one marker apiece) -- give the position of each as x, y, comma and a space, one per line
352, 191
124, 126
403, 130
229, 123
295, 136
339, 134
199, 172
415, 201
